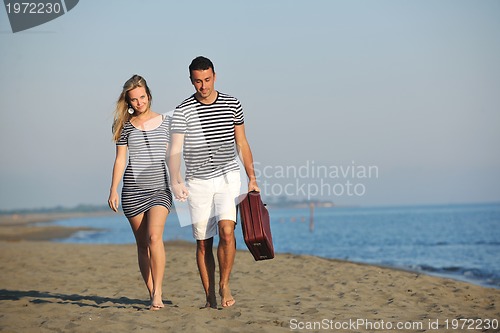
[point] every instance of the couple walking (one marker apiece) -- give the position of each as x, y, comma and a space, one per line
206, 128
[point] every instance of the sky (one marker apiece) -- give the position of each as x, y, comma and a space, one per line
355, 102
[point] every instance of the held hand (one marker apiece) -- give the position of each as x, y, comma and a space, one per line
114, 201
252, 186
180, 191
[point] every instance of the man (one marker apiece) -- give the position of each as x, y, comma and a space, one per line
208, 126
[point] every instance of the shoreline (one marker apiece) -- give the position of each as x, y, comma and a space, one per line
50, 286
26, 227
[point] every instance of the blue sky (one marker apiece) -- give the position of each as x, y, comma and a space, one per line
410, 87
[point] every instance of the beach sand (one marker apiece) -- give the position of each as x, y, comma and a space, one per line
57, 287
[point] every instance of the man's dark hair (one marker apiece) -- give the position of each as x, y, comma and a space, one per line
199, 64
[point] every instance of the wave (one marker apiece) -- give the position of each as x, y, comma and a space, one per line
468, 274
495, 243
448, 243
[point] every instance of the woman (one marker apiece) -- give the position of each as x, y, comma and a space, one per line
146, 197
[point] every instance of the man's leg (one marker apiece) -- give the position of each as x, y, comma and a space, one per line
204, 228
226, 252
206, 267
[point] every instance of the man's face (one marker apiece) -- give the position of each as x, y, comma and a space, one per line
203, 81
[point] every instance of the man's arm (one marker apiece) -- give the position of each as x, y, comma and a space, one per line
174, 167
246, 157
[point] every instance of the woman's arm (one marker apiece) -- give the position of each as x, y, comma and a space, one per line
118, 170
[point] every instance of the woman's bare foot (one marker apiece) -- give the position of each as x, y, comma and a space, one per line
156, 303
227, 298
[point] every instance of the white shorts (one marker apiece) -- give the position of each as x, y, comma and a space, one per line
212, 200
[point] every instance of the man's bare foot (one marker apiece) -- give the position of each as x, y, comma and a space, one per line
211, 303
227, 298
208, 305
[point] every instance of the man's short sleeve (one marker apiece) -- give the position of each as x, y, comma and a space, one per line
168, 120
238, 116
178, 123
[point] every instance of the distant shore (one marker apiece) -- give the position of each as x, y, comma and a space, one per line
17, 227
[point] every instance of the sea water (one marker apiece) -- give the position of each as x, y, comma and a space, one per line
456, 241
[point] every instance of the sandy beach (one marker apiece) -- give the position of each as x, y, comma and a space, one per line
55, 287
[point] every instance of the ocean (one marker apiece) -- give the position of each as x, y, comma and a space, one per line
461, 242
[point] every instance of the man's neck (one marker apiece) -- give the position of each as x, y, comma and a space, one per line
209, 99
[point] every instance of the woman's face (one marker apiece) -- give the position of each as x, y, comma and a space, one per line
139, 99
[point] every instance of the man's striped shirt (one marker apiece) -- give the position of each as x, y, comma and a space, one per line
209, 143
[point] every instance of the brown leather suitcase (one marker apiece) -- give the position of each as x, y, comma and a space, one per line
256, 226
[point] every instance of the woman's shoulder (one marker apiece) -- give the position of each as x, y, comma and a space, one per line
127, 126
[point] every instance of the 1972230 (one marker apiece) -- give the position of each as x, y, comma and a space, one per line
33, 8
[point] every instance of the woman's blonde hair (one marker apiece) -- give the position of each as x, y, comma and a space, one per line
121, 115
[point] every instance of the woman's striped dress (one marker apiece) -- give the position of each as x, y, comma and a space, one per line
145, 183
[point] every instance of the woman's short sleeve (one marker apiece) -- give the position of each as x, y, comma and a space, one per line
123, 140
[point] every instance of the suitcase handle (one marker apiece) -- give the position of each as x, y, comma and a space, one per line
254, 191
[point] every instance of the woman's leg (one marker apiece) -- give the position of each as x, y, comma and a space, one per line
140, 228
156, 218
